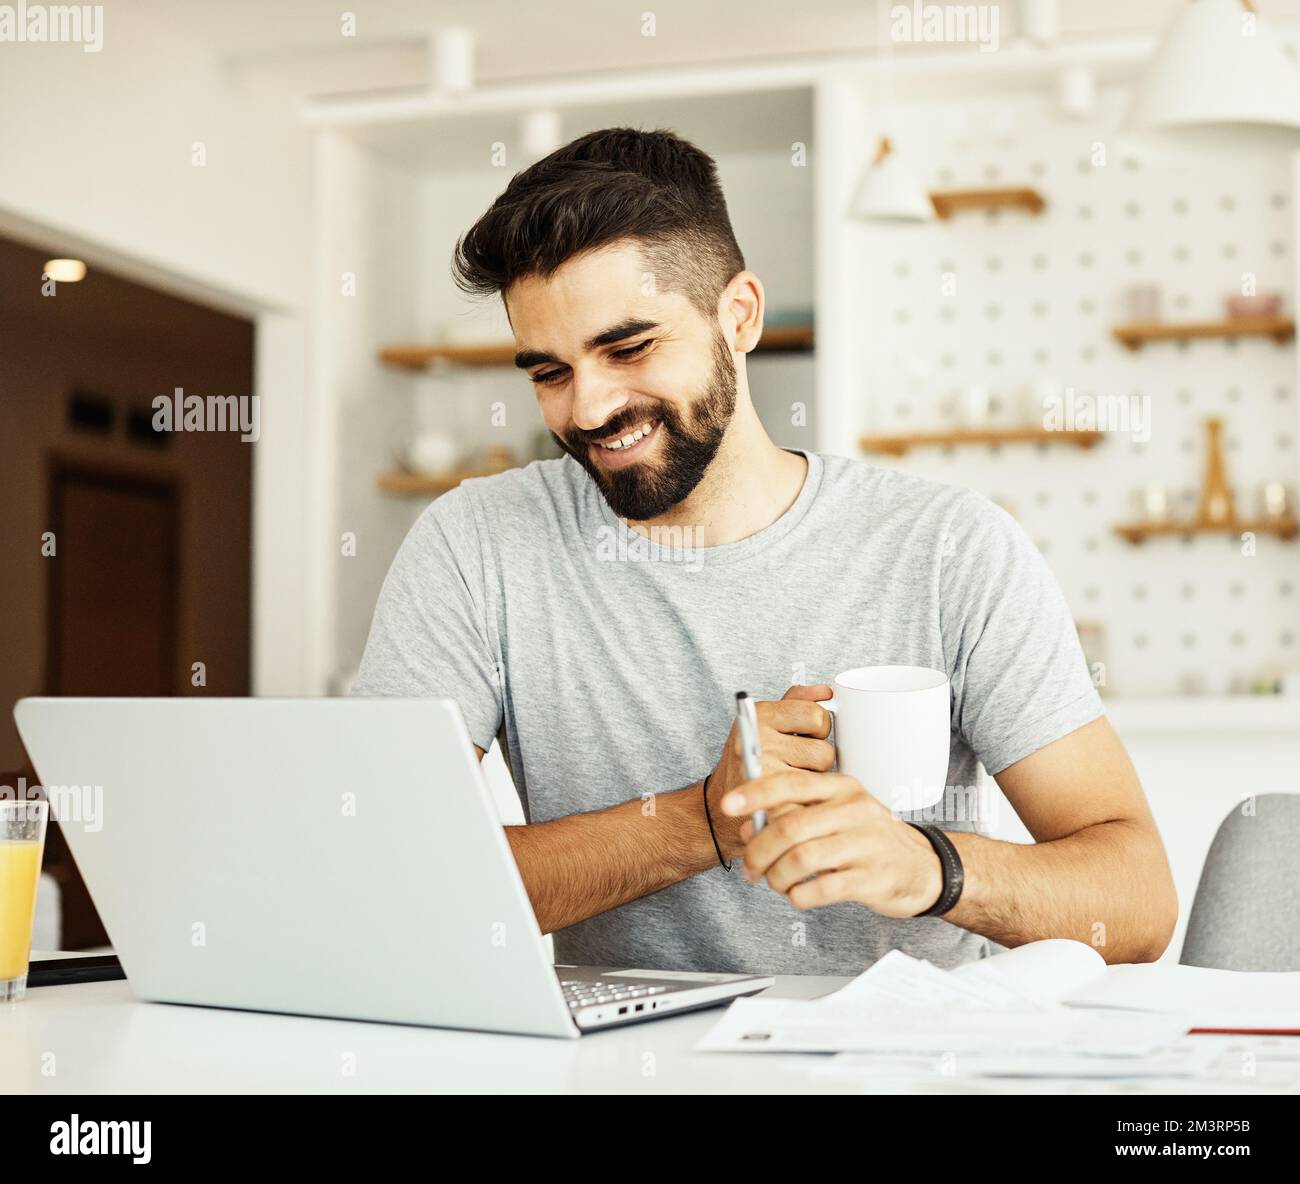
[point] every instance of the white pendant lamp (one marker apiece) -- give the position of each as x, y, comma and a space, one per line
1220, 80
890, 192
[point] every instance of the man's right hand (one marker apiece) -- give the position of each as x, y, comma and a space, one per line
792, 734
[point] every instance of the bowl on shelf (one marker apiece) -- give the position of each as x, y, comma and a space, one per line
1263, 305
432, 452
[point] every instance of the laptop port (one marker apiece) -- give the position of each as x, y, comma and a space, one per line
622, 1011
640, 1007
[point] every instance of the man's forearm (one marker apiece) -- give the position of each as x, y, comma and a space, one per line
584, 864
1107, 885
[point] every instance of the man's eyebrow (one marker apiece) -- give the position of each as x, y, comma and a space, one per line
629, 328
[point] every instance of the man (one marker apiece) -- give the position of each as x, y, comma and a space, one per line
600, 610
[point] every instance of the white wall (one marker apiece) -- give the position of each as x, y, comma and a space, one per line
368, 273
839, 326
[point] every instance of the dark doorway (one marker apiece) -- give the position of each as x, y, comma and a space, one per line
112, 602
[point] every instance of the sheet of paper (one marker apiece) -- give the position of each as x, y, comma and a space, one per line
1029, 977
1056, 1086
899, 980
1208, 998
801, 1025
1190, 1064
1048, 969
1182, 1058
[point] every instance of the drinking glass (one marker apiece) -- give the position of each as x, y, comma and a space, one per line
22, 839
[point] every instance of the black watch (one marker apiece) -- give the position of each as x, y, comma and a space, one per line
954, 876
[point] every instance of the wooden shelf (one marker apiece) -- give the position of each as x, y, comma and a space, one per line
421, 357
785, 339
899, 445
1135, 336
1217, 512
778, 339
947, 202
432, 484
1139, 532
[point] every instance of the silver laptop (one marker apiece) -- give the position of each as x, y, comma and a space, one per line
329, 857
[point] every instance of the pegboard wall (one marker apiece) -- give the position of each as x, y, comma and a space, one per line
1009, 301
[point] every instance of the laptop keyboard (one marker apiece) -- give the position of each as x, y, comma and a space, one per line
583, 993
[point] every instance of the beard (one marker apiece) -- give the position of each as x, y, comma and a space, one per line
651, 487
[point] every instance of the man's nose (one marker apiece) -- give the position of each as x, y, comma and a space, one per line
596, 400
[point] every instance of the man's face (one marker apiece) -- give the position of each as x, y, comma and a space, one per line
606, 359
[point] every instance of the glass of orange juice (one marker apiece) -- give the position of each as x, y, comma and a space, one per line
22, 839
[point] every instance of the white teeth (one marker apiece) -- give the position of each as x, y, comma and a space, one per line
630, 439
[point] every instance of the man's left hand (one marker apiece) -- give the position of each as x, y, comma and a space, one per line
853, 844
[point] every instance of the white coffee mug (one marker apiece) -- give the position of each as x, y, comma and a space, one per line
891, 731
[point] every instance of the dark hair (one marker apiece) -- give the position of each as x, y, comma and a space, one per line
613, 184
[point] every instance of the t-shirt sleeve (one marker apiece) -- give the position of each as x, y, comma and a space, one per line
429, 636
1019, 677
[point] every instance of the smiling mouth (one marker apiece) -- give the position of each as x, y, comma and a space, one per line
631, 438
623, 450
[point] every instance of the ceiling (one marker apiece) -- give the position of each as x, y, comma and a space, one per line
301, 41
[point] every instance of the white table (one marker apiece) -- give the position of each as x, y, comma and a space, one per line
89, 1038
98, 1038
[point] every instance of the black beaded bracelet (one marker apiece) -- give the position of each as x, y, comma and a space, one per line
710, 819
954, 875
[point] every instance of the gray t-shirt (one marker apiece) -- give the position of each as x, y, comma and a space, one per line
607, 665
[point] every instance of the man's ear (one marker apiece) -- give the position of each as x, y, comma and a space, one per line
742, 311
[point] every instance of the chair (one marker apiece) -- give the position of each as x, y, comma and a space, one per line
1246, 914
